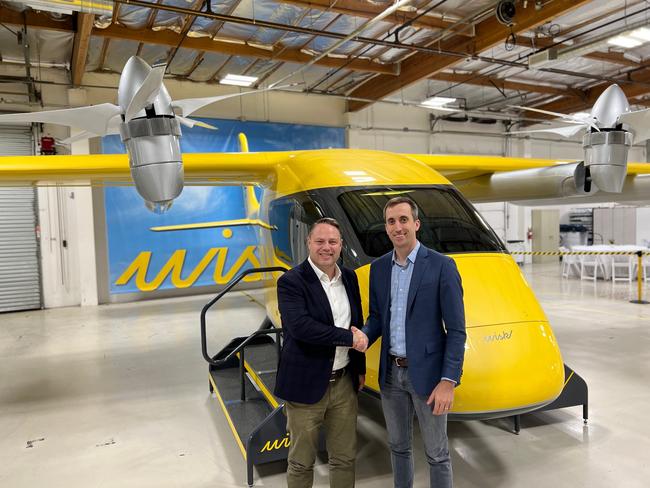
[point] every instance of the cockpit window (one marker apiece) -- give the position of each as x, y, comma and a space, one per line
447, 223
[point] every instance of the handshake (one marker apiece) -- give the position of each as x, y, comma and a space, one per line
359, 339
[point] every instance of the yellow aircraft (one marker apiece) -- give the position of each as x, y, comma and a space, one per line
512, 363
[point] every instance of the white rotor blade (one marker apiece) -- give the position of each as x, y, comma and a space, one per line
147, 92
190, 105
191, 123
568, 131
112, 128
569, 118
94, 118
639, 122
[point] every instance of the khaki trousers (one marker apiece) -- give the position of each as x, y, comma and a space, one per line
337, 412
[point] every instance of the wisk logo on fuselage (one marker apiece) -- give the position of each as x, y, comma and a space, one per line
504, 336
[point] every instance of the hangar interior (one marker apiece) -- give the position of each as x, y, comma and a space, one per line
104, 383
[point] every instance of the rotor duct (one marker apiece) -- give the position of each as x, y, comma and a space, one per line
606, 158
155, 159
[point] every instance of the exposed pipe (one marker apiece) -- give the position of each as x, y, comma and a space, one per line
347, 38
272, 25
38, 64
314, 32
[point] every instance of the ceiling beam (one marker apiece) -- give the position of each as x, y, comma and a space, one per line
488, 34
170, 38
614, 58
35, 19
498, 83
368, 10
80, 46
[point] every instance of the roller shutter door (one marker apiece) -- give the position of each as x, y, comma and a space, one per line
20, 280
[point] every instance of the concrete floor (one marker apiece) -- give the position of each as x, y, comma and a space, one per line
118, 395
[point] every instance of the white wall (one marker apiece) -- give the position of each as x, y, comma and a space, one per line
67, 242
643, 226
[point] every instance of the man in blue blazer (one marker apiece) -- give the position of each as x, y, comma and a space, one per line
416, 306
319, 375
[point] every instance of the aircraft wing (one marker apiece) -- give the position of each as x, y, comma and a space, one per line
209, 168
529, 181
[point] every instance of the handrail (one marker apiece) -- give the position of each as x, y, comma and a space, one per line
229, 286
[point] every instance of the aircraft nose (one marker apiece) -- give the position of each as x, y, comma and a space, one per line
509, 367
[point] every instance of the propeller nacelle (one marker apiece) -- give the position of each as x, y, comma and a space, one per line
155, 159
606, 158
151, 135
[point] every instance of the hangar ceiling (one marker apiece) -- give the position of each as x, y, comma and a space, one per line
449, 48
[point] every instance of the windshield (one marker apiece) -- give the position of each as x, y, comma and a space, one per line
448, 224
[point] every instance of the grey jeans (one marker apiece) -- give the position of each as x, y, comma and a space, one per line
399, 401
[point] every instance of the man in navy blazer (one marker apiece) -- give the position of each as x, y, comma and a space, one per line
416, 306
319, 375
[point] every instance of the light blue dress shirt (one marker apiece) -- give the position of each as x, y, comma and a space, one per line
400, 281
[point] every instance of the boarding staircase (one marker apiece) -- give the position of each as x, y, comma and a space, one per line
242, 377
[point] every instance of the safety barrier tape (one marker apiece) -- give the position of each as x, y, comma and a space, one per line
580, 253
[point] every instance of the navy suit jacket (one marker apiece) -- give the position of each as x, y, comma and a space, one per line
310, 336
435, 295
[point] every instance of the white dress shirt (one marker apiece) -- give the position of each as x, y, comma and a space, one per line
340, 305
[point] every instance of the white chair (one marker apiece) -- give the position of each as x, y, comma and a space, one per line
626, 264
569, 263
591, 262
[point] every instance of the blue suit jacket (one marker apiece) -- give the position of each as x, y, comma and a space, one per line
310, 336
435, 295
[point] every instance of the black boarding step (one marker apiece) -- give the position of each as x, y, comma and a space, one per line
258, 427
243, 415
261, 362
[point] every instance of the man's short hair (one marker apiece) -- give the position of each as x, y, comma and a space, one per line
397, 200
325, 220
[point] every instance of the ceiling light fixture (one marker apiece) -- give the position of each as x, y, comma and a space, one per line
238, 80
437, 102
624, 41
642, 34
632, 57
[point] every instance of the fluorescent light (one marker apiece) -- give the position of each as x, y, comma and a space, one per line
435, 102
642, 34
632, 57
624, 41
238, 80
